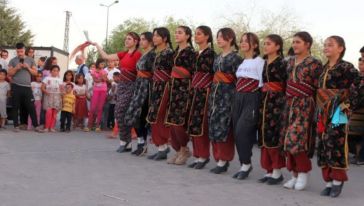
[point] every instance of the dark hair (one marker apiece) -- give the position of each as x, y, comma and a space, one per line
164, 33
341, 43
19, 45
91, 64
116, 74
5, 51
3, 71
42, 59
66, 73
207, 32
48, 63
277, 41
290, 52
362, 50
188, 32
228, 34
98, 62
69, 84
28, 49
252, 39
40, 72
55, 67
148, 36
306, 37
136, 37
78, 76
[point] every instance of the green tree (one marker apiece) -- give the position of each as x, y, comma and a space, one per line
12, 28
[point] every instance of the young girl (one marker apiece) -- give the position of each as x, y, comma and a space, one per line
333, 95
52, 103
81, 111
221, 100
4, 93
68, 78
37, 94
274, 79
99, 93
201, 81
299, 135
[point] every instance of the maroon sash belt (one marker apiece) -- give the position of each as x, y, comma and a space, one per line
180, 73
299, 89
161, 76
273, 87
247, 85
127, 76
201, 80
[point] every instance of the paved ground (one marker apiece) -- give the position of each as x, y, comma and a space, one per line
82, 169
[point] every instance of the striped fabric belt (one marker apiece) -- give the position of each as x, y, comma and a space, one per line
201, 80
161, 76
247, 85
273, 87
144, 74
180, 73
299, 89
127, 76
223, 77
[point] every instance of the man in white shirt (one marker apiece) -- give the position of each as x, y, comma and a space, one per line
3, 59
111, 69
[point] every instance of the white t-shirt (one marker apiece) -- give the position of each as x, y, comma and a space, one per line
80, 90
110, 73
252, 68
4, 88
4, 63
53, 84
36, 88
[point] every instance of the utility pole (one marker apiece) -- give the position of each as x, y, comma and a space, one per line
66, 31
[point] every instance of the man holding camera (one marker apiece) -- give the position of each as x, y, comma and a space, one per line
21, 68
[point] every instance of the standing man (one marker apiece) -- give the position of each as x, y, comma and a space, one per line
82, 68
3, 56
21, 68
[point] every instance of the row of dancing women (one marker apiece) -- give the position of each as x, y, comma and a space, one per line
224, 100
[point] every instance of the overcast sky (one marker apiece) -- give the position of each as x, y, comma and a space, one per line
46, 18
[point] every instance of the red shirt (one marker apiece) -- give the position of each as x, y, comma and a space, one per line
128, 61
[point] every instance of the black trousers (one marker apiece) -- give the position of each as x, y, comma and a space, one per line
111, 116
66, 118
23, 100
142, 130
245, 123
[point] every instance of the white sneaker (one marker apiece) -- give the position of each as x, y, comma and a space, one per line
301, 182
290, 183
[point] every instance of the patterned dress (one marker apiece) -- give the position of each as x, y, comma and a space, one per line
141, 90
274, 99
302, 83
221, 98
200, 92
180, 84
333, 90
162, 63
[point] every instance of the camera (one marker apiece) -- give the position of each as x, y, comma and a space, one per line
21, 61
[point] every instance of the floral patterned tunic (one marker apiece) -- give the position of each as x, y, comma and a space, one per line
333, 90
273, 104
164, 62
180, 88
141, 91
199, 96
221, 98
300, 130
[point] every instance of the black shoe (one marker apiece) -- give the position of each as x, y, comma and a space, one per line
162, 155
139, 150
244, 174
123, 148
326, 191
62, 130
274, 181
219, 170
336, 190
201, 165
68, 130
151, 157
263, 179
193, 165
